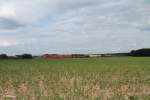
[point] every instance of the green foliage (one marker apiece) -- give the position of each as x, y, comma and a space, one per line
134, 98
98, 98
58, 98
46, 98
3, 56
147, 97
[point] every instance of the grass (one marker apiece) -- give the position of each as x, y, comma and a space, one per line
110, 78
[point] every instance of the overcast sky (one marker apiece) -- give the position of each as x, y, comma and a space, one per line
73, 26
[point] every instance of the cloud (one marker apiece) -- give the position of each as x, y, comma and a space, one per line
9, 24
6, 42
79, 26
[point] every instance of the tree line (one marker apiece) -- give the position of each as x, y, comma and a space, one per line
23, 56
134, 53
141, 52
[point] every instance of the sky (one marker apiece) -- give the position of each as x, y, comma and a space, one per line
73, 26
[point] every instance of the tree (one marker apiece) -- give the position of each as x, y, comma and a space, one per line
140, 52
26, 56
3, 56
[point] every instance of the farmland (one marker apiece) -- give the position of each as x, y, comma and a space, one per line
103, 78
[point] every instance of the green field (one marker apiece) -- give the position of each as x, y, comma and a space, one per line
108, 78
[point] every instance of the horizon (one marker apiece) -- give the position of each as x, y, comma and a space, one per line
35, 54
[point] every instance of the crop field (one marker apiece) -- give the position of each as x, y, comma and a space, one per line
103, 78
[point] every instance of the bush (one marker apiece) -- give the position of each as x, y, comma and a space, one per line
24, 56
133, 98
27, 56
3, 56
140, 52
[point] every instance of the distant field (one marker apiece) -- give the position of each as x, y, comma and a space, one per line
110, 78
